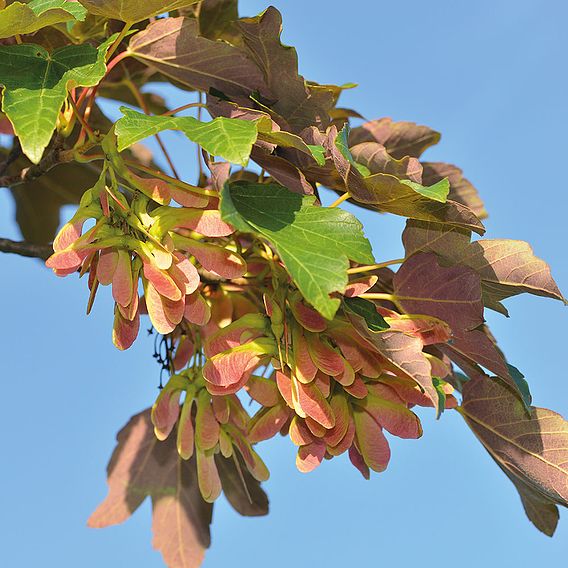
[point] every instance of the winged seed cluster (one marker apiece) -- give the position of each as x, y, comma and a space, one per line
260, 292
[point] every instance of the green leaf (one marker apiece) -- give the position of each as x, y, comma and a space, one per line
439, 386
368, 311
318, 152
35, 87
522, 385
40, 7
315, 243
285, 139
132, 11
19, 18
438, 192
228, 138
342, 144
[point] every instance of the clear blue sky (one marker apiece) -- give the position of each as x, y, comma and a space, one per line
491, 76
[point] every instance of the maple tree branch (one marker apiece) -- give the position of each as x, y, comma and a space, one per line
24, 248
50, 159
14, 154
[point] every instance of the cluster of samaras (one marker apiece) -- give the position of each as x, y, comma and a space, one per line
236, 322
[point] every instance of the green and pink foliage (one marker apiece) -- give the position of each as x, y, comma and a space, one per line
254, 289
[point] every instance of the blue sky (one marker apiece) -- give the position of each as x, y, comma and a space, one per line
490, 75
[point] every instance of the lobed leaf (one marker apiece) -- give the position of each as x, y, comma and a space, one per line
295, 102
174, 47
228, 138
141, 467
20, 18
315, 243
506, 267
399, 138
35, 87
531, 448
132, 11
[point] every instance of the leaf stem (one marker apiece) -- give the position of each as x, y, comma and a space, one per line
184, 107
117, 41
142, 104
386, 297
340, 200
83, 122
370, 267
112, 64
199, 163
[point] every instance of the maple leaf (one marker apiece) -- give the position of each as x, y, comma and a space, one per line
315, 243
174, 47
20, 18
133, 11
531, 448
295, 102
141, 467
506, 267
399, 138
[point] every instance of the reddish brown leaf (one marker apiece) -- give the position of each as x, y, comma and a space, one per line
506, 267
173, 47
531, 449
399, 138
242, 490
452, 294
375, 157
294, 101
141, 467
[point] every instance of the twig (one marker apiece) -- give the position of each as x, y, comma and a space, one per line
26, 249
51, 158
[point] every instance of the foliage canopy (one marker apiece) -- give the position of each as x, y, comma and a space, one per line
252, 287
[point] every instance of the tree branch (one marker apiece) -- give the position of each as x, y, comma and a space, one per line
51, 158
26, 249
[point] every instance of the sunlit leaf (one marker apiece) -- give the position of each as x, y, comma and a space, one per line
461, 190
506, 267
299, 106
132, 11
399, 138
20, 18
35, 87
315, 243
228, 138
401, 197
